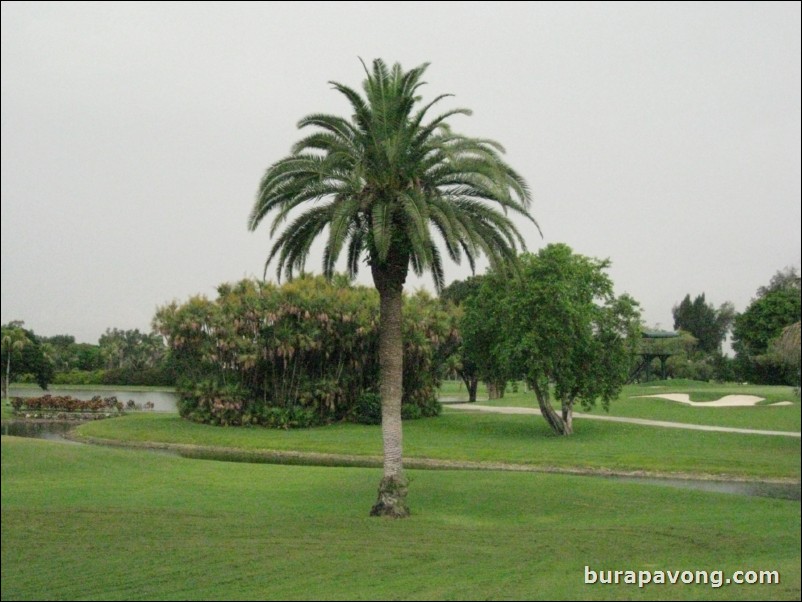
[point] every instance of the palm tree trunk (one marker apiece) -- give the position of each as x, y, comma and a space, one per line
393, 487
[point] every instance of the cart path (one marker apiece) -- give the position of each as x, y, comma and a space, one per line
642, 421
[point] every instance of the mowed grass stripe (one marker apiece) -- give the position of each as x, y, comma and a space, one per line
97, 523
494, 438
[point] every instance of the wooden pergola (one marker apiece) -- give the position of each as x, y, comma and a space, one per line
655, 344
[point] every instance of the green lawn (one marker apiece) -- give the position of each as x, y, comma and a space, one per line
628, 404
84, 522
494, 438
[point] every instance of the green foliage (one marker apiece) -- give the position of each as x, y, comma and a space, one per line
778, 307
131, 349
367, 409
66, 355
560, 326
80, 377
479, 326
706, 323
386, 180
65, 403
23, 353
308, 348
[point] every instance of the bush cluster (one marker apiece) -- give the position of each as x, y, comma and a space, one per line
301, 354
66, 403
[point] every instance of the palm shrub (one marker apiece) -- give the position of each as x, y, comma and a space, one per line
295, 355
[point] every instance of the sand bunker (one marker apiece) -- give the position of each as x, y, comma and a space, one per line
728, 401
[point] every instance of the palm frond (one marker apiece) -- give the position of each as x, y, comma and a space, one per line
392, 182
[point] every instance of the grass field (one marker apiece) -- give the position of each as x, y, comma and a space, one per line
84, 522
628, 404
494, 438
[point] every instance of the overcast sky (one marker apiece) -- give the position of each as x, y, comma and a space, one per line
663, 136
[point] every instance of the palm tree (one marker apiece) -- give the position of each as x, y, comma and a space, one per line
14, 339
386, 184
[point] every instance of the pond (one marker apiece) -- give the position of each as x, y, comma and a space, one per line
163, 401
52, 430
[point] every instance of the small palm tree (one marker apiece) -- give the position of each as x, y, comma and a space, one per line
14, 339
386, 184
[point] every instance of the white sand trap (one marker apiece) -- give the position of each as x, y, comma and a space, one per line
728, 401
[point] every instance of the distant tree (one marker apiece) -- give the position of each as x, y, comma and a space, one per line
14, 340
776, 307
787, 348
562, 327
87, 356
787, 344
60, 350
706, 323
131, 349
462, 360
22, 353
787, 278
481, 334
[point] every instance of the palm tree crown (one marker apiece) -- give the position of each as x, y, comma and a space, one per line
387, 179
383, 183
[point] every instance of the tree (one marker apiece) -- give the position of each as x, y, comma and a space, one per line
131, 349
786, 348
562, 327
14, 340
706, 323
23, 353
787, 278
382, 183
776, 307
480, 334
464, 361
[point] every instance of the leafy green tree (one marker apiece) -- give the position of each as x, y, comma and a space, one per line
14, 340
480, 332
562, 327
131, 349
785, 279
23, 353
464, 359
382, 184
786, 348
776, 307
706, 323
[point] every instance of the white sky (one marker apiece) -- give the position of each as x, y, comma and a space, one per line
663, 136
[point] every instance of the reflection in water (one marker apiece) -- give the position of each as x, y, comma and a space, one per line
50, 429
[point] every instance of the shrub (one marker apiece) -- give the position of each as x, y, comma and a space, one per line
368, 409
300, 354
65, 403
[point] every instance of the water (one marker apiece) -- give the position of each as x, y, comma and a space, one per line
51, 430
785, 491
163, 401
